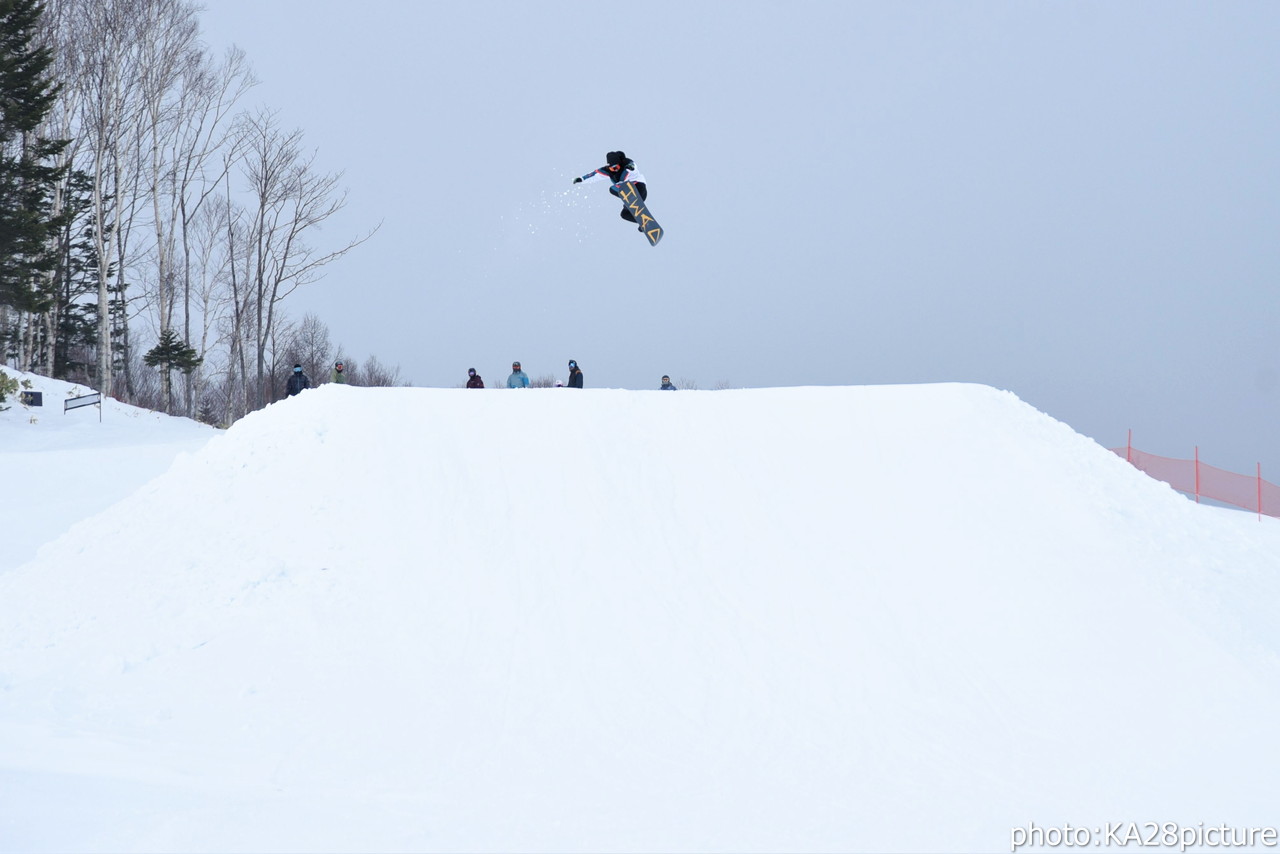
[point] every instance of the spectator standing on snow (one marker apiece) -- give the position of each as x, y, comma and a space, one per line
666, 384
518, 378
336, 375
297, 381
575, 375
473, 379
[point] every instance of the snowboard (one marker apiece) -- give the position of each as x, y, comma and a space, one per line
630, 196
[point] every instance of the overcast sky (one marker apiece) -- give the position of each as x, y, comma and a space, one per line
1079, 202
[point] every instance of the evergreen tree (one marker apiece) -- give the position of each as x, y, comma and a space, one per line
72, 287
27, 222
170, 354
76, 286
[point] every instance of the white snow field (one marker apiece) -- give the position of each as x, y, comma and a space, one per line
61, 466
898, 618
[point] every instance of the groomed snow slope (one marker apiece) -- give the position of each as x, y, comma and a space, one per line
61, 466
886, 618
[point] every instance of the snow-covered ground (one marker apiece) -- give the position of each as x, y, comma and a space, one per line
875, 618
60, 467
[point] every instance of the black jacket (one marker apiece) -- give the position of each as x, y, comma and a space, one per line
624, 172
475, 382
575, 378
297, 382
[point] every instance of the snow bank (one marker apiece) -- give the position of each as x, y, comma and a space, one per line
62, 466
890, 618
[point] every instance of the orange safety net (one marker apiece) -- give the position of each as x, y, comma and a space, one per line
1205, 481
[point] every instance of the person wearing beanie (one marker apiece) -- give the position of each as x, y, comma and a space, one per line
618, 168
473, 379
297, 381
518, 378
575, 375
336, 375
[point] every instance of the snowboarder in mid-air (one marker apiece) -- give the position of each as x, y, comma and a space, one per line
618, 168
628, 185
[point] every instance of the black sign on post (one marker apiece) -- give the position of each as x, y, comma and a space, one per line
32, 398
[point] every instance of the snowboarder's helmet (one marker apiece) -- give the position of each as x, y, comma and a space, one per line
471, 371
515, 365
572, 363
297, 369
338, 365
616, 158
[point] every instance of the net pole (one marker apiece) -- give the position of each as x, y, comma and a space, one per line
1197, 474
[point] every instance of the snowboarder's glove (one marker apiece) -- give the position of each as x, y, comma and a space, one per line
577, 180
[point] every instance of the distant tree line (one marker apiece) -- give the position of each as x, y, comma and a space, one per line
150, 227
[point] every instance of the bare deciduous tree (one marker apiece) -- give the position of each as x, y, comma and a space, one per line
290, 200
310, 347
196, 217
374, 373
188, 98
103, 36
544, 381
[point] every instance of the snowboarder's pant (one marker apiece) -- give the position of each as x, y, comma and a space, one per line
644, 194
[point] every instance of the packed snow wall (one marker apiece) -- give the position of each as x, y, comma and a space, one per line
886, 618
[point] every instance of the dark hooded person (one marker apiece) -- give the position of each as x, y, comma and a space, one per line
297, 381
618, 168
